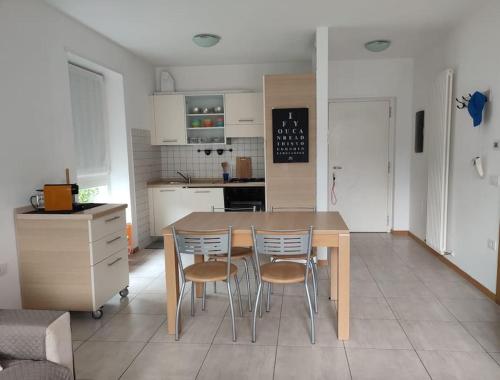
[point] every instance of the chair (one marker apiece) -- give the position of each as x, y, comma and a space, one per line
312, 262
238, 253
276, 244
205, 243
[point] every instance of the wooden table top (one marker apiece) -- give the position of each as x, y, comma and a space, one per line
322, 222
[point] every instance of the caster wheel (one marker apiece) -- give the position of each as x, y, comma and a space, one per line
97, 314
124, 292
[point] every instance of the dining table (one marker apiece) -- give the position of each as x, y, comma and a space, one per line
329, 231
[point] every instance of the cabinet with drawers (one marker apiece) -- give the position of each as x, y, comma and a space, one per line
73, 261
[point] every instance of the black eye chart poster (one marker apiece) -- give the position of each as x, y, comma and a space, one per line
290, 135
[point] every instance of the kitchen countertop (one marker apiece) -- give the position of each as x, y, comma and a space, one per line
205, 182
23, 213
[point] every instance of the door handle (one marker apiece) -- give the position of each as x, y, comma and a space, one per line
337, 168
113, 240
114, 262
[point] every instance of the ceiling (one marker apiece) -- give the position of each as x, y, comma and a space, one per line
261, 31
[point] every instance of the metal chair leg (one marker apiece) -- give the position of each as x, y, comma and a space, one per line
215, 286
204, 296
254, 268
239, 293
260, 303
178, 311
315, 286
231, 308
268, 300
257, 298
192, 298
249, 292
311, 314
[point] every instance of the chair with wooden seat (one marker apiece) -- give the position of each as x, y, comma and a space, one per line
312, 262
276, 244
238, 253
205, 243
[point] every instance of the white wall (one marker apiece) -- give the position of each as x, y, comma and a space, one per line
229, 77
383, 78
470, 50
35, 113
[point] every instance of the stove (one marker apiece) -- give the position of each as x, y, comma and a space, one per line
244, 180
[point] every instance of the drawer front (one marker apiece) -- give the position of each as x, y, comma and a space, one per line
107, 225
105, 247
109, 277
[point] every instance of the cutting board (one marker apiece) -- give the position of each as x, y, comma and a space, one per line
243, 167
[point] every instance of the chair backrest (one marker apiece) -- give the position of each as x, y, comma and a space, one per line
234, 209
215, 242
293, 209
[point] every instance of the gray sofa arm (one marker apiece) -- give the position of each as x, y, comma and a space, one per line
36, 335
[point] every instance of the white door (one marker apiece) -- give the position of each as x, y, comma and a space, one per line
359, 160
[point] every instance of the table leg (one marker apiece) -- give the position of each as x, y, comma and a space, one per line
343, 286
334, 265
172, 281
199, 286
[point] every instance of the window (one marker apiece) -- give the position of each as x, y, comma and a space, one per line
90, 131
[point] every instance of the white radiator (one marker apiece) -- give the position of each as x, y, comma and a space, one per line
437, 139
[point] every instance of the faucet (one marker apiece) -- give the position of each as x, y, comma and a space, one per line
187, 178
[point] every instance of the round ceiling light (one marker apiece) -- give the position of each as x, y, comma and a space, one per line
206, 39
378, 45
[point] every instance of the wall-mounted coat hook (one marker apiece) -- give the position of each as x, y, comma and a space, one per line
207, 151
461, 104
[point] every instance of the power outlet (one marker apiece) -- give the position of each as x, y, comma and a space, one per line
3, 268
492, 244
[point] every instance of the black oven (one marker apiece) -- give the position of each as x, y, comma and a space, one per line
245, 197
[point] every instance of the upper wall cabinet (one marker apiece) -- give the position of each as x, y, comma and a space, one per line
169, 120
244, 115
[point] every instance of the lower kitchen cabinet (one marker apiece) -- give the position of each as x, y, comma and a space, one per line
168, 204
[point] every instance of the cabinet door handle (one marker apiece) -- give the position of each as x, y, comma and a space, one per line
114, 261
167, 190
202, 191
113, 240
112, 219
245, 120
169, 140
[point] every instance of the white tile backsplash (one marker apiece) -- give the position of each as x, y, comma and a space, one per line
186, 158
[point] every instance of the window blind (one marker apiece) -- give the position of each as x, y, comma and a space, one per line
90, 126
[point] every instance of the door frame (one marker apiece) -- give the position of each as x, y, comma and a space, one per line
391, 144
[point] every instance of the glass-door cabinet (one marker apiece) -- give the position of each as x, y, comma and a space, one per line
205, 119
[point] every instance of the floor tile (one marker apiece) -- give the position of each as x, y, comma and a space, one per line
436, 335
130, 327
318, 363
297, 307
406, 289
419, 309
156, 286
486, 333
367, 288
229, 362
460, 365
216, 305
104, 360
267, 331
370, 308
83, 325
454, 289
147, 303
377, 333
275, 309
167, 361
138, 284
496, 356
385, 364
473, 310
76, 344
198, 329
296, 332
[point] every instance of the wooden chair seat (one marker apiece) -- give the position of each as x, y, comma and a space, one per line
236, 253
208, 271
283, 272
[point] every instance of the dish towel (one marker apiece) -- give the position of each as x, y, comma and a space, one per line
476, 107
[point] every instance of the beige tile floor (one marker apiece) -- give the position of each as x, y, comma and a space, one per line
411, 318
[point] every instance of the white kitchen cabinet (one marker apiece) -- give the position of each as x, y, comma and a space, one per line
202, 199
244, 115
168, 204
169, 120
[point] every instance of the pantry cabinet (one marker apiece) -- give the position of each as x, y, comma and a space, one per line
169, 115
168, 204
244, 115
